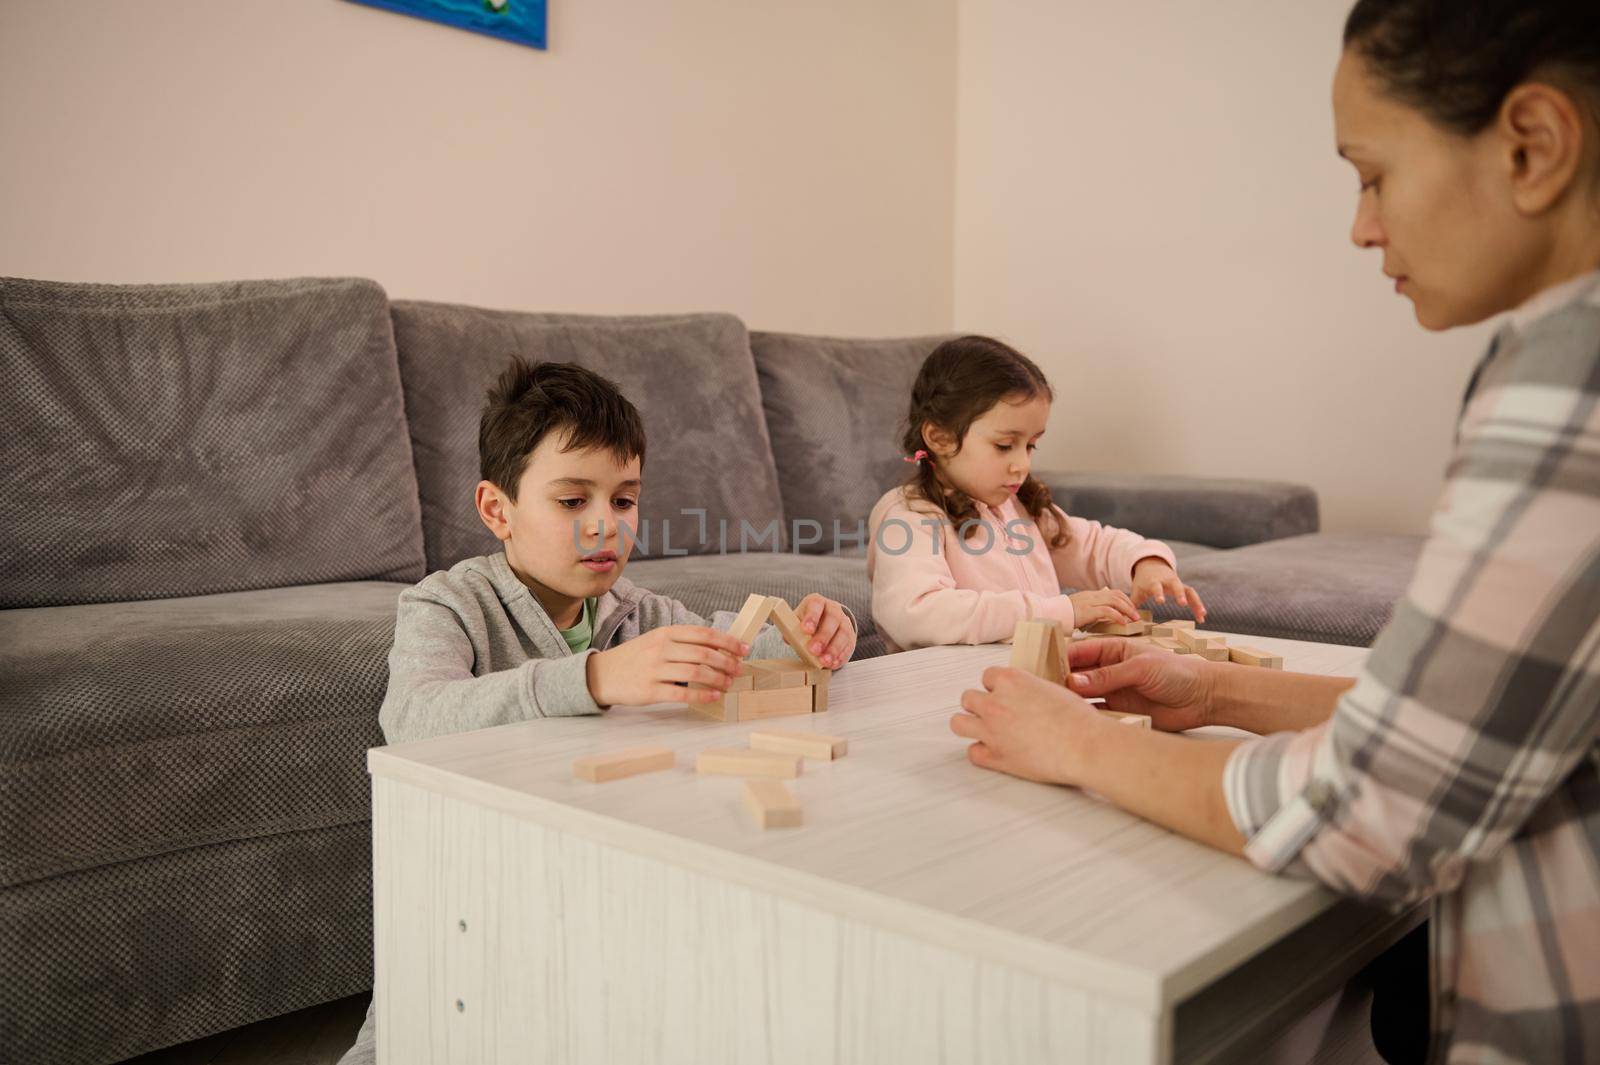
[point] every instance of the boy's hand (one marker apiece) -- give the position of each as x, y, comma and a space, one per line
1108, 604
652, 668
833, 635
1154, 579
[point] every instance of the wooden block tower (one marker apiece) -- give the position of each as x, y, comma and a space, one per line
771, 687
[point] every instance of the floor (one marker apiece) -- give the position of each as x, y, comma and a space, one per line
316, 1036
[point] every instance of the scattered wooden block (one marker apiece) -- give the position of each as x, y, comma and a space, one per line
788, 623
1194, 641
1116, 628
1136, 720
600, 768
805, 744
770, 803
1170, 629
819, 697
738, 762
1250, 656
1027, 647
776, 702
1175, 646
1212, 654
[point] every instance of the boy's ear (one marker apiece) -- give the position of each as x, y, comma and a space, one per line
494, 509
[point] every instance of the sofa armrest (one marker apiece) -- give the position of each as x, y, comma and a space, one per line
1218, 512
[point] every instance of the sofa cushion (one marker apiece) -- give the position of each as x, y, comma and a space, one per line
707, 585
1327, 587
690, 375
1216, 511
168, 440
836, 410
134, 729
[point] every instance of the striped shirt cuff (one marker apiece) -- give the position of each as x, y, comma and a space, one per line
1277, 817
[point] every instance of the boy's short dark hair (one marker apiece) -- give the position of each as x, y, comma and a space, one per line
531, 400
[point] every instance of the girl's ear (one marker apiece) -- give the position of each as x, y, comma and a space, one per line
939, 441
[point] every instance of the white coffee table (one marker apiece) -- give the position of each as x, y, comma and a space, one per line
927, 911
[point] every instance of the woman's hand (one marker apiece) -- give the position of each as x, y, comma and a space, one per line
1176, 692
834, 636
1024, 725
1108, 604
655, 667
1154, 579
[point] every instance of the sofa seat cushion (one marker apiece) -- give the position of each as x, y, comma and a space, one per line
708, 584
690, 375
135, 729
171, 440
835, 408
1327, 587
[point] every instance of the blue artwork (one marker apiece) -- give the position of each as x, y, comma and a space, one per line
522, 21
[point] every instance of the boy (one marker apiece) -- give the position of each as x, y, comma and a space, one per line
548, 627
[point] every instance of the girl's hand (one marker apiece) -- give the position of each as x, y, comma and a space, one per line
1154, 579
1176, 692
1108, 604
654, 668
834, 635
1024, 725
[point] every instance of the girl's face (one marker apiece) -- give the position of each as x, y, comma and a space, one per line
994, 459
1443, 208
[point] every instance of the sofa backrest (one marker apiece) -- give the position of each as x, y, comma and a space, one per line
690, 375
835, 410
170, 440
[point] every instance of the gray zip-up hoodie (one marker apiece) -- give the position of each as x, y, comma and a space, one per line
473, 648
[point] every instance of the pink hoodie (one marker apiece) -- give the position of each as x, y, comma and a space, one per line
929, 587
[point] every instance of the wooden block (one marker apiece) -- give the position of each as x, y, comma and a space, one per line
751, 617
1212, 654
600, 768
776, 672
805, 744
1027, 647
738, 762
1061, 652
770, 803
818, 676
1145, 615
1175, 646
1194, 641
789, 624
723, 709
1136, 720
819, 697
776, 702
1250, 656
1170, 629
1116, 628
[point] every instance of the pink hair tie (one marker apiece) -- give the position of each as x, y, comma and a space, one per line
914, 459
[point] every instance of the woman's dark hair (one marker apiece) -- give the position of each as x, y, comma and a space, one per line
959, 382
1457, 60
531, 400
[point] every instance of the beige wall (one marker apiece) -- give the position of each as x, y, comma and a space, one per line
1148, 201
792, 163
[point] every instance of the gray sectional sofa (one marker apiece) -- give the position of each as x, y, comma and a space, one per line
214, 494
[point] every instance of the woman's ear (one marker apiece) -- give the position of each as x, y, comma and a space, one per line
1542, 130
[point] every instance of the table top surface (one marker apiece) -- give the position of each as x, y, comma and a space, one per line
905, 833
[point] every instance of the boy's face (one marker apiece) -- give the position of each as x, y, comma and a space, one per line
563, 534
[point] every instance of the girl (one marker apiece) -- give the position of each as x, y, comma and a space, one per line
971, 544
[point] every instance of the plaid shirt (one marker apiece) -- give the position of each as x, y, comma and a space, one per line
1463, 765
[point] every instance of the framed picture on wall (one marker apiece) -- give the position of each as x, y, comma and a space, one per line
522, 21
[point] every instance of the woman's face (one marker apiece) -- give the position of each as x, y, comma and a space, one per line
1437, 204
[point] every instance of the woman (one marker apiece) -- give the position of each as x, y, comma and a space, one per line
1462, 764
